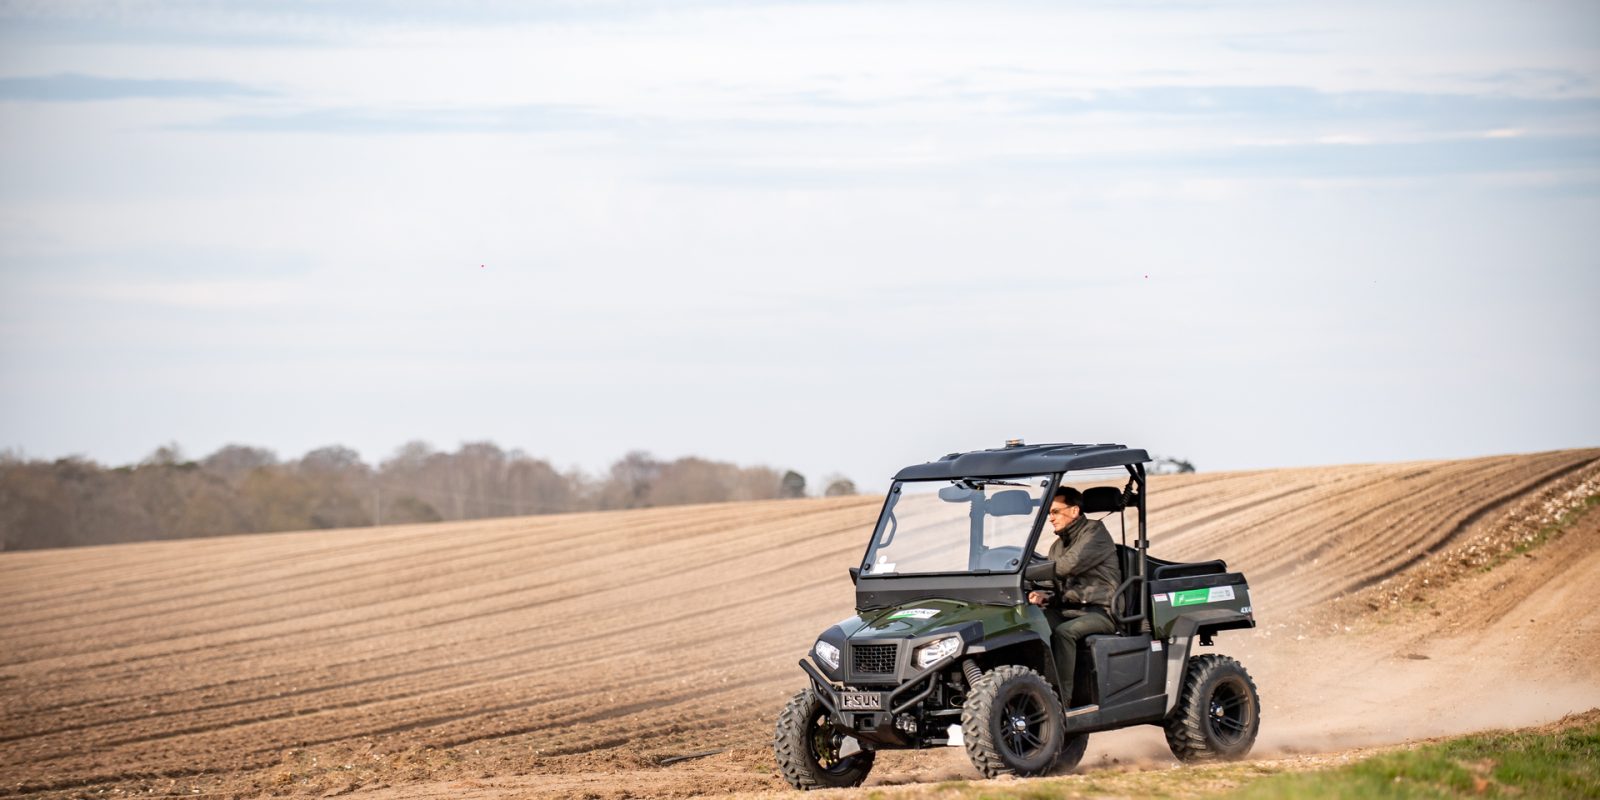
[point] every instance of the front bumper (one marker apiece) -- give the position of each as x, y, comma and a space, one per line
877, 726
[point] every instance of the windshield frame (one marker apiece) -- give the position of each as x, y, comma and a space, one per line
1051, 481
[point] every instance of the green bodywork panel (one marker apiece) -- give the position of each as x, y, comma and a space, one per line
922, 617
1167, 607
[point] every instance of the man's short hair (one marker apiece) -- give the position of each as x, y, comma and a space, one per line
1070, 496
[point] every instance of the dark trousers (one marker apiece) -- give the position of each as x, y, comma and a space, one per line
1074, 627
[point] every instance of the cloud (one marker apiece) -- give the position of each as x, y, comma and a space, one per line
303, 23
1525, 81
203, 295
1280, 42
88, 88
430, 120
1355, 156
1351, 155
1297, 103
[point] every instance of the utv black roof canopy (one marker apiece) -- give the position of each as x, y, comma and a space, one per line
1024, 459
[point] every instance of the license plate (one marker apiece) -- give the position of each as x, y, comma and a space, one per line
863, 701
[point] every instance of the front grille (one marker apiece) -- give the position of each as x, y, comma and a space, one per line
873, 659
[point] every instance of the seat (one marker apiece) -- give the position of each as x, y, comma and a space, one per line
1161, 569
1098, 499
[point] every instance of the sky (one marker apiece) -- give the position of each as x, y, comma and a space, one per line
835, 237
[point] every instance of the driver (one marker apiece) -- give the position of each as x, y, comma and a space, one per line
1086, 579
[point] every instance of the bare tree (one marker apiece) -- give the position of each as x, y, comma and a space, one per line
167, 455
793, 484
234, 461
630, 480
839, 486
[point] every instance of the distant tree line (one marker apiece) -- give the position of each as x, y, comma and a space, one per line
239, 489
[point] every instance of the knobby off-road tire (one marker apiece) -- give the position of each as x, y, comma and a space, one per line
1011, 723
1218, 713
807, 747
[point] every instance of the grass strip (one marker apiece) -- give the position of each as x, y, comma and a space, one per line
1563, 763
1557, 761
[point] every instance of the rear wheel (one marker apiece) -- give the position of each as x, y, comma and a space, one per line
810, 748
1011, 723
1218, 714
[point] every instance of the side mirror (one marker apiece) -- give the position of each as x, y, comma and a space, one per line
1040, 571
855, 574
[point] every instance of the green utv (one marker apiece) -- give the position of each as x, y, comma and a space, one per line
945, 650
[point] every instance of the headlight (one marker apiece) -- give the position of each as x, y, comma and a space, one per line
827, 654
933, 651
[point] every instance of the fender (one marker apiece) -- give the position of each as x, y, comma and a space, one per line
1184, 629
1023, 636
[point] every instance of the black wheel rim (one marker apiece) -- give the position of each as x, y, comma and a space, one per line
825, 741
1023, 724
1228, 713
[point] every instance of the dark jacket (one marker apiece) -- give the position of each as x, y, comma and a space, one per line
1086, 564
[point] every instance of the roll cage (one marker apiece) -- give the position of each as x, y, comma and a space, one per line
1008, 587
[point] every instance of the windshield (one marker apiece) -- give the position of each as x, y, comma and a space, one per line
969, 525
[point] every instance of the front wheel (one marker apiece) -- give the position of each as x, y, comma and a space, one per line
1012, 723
808, 747
1218, 714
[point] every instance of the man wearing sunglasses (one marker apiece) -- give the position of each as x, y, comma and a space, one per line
1086, 578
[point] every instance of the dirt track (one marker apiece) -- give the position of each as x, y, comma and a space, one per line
569, 654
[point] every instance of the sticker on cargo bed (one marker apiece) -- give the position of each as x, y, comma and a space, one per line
915, 613
1195, 597
883, 567
1160, 598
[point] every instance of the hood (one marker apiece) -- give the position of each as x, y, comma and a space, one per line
922, 617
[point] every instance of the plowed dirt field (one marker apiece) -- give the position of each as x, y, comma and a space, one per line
570, 655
